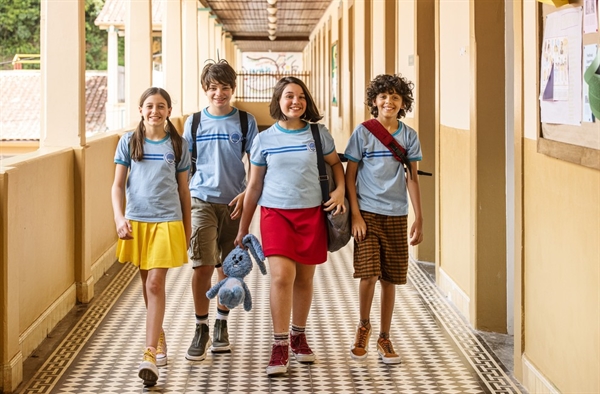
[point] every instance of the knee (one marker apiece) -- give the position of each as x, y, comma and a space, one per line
155, 286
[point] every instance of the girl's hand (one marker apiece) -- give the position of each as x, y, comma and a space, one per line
359, 228
124, 230
336, 202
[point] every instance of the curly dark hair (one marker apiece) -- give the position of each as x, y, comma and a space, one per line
386, 83
311, 114
219, 72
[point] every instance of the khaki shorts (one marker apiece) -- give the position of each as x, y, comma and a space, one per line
213, 233
384, 252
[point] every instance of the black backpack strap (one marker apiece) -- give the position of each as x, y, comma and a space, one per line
244, 124
323, 177
195, 123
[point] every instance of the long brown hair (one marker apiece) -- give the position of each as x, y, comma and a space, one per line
311, 113
136, 145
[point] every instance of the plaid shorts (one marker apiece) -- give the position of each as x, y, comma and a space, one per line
384, 251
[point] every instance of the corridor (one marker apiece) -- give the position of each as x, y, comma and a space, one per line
440, 353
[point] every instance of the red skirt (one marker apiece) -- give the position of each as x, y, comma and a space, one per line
299, 234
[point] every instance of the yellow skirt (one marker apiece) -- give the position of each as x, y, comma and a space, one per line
154, 245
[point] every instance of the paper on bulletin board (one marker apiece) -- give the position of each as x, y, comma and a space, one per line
590, 16
556, 3
562, 71
589, 54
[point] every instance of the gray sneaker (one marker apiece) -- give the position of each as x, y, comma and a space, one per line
200, 344
221, 342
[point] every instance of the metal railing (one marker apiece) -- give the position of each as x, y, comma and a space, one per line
258, 87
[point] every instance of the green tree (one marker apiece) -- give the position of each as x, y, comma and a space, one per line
19, 29
20, 32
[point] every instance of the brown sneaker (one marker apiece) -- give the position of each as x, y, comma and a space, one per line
386, 351
361, 343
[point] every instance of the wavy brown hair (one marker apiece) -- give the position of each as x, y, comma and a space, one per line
386, 83
136, 144
311, 114
219, 72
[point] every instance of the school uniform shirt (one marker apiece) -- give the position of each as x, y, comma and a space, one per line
220, 173
292, 177
380, 181
152, 189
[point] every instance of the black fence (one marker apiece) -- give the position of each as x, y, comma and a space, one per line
258, 87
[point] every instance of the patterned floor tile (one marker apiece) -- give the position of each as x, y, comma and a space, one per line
440, 354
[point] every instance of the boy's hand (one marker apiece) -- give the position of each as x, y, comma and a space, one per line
416, 233
238, 201
359, 228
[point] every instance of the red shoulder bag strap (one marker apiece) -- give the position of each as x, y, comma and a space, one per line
389, 141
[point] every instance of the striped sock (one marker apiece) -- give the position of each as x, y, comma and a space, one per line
202, 319
281, 338
296, 330
222, 315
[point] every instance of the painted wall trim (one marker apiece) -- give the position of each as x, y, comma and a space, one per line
534, 381
455, 294
33, 336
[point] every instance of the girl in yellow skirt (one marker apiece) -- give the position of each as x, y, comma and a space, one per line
151, 174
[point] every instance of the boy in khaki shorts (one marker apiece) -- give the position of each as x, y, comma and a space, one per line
217, 188
376, 184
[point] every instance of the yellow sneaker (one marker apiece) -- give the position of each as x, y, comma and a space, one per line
161, 350
147, 370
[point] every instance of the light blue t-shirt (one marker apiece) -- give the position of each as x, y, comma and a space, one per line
380, 181
152, 189
220, 174
292, 177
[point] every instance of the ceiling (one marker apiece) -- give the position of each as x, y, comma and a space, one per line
247, 22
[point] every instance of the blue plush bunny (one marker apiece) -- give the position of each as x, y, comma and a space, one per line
233, 290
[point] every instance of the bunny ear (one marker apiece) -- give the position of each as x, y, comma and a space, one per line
251, 242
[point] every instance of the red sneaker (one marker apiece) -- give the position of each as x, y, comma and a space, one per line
280, 360
301, 349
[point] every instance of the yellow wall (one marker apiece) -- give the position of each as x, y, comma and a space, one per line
562, 270
455, 242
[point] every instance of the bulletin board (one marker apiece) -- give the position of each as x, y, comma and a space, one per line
568, 129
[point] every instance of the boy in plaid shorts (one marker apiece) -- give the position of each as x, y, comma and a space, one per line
377, 186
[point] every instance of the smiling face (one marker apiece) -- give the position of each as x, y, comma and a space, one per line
155, 110
388, 104
293, 101
219, 97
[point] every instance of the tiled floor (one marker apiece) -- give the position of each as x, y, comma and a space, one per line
100, 354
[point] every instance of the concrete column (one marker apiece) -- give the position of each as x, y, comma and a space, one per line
488, 178
63, 73
114, 119
219, 52
424, 107
11, 358
172, 48
138, 56
205, 27
191, 72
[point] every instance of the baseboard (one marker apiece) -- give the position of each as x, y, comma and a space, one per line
534, 381
104, 262
12, 374
33, 336
454, 294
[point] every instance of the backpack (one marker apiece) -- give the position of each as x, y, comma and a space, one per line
196, 123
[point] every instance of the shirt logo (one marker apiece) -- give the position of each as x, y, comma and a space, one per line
311, 146
235, 138
169, 157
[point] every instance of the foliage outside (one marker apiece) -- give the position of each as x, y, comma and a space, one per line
20, 33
